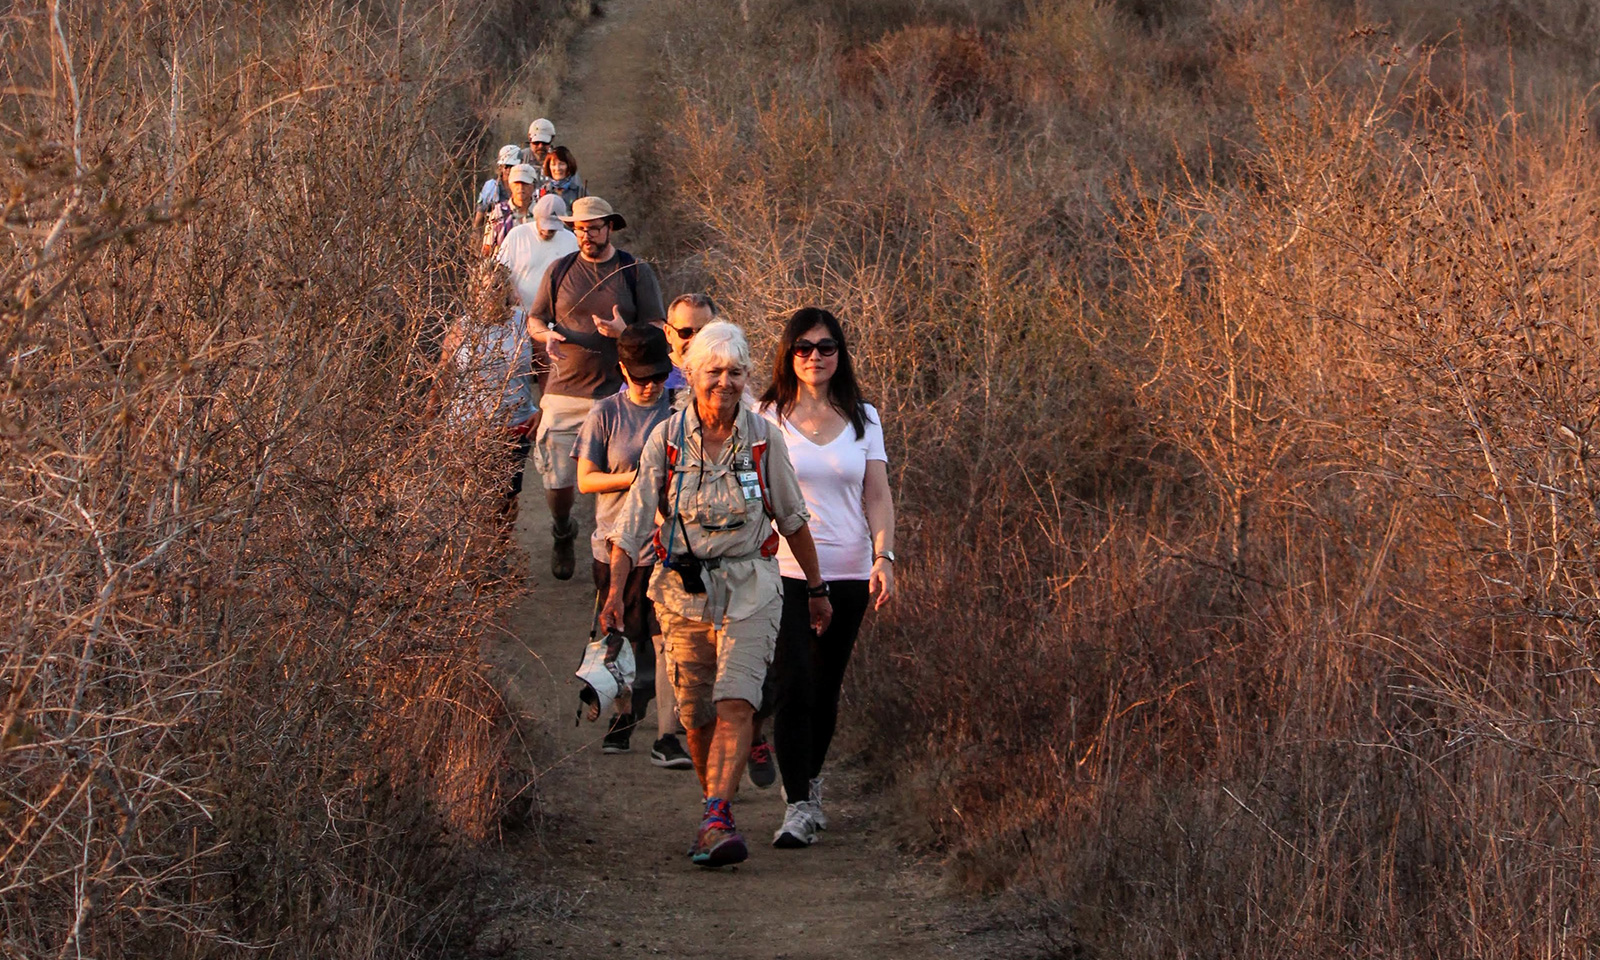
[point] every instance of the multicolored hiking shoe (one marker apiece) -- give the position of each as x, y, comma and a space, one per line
718, 844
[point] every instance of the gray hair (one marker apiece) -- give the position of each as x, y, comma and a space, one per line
717, 340
699, 301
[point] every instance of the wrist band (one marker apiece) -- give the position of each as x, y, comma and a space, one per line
817, 591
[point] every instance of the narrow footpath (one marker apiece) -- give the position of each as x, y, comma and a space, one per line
604, 871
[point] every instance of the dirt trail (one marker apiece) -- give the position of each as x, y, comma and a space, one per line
608, 869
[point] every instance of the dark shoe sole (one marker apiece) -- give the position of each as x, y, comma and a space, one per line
788, 841
724, 854
764, 779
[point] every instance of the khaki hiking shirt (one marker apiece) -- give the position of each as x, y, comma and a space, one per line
714, 510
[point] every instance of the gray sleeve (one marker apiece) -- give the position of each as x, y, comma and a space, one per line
592, 439
637, 521
649, 307
784, 499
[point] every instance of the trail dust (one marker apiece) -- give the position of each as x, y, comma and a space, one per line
606, 867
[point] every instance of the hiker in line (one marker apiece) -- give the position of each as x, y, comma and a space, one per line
608, 449
485, 378
496, 189
721, 478
583, 304
541, 134
686, 316
835, 440
561, 176
512, 213
530, 248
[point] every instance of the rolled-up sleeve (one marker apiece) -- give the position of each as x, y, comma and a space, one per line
637, 522
784, 499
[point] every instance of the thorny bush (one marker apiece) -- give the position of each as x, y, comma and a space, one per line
1240, 379
243, 582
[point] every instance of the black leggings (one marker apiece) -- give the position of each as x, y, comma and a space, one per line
639, 625
807, 672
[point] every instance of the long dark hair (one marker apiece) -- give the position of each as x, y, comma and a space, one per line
843, 391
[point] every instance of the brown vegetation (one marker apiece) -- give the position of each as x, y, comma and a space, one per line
1242, 387
243, 582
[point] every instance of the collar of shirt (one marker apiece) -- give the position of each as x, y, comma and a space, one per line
735, 441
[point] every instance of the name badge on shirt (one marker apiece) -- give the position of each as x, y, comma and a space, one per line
750, 484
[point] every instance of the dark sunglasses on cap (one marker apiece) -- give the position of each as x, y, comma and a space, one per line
826, 348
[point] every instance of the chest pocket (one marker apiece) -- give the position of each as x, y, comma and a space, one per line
718, 501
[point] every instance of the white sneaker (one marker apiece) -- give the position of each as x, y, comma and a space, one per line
814, 799
798, 830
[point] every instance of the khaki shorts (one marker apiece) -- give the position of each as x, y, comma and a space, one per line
558, 435
707, 665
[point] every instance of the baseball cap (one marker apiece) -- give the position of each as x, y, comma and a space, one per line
510, 155
643, 350
548, 211
542, 130
524, 173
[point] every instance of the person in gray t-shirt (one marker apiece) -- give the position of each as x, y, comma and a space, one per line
583, 304
607, 454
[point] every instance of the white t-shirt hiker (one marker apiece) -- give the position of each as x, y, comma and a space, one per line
529, 256
832, 476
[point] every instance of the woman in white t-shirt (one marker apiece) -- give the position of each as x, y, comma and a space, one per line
835, 440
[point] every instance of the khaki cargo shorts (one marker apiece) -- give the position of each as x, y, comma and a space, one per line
557, 436
707, 664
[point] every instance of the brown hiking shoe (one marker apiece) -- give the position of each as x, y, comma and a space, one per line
562, 560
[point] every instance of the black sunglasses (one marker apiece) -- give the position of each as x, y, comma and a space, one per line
826, 348
653, 378
684, 333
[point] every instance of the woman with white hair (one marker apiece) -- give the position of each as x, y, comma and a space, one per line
721, 478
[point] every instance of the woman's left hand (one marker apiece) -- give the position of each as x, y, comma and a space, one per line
821, 610
881, 584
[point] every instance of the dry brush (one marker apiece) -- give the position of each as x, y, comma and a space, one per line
243, 581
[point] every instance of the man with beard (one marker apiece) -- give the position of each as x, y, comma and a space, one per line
584, 302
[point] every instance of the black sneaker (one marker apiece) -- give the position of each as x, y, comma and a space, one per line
762, 771
618, 737
667, 752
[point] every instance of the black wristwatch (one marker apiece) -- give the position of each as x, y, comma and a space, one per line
818, 591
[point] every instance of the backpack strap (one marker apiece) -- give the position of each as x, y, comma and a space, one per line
558, 273
674, 451
625, 263
758, 455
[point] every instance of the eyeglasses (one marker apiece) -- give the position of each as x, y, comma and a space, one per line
590, 227
684, 333
653, 378
826, 348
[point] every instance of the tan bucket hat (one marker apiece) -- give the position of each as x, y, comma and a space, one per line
594, 208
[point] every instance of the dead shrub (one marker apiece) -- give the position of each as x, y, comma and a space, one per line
244, 580
1240, 424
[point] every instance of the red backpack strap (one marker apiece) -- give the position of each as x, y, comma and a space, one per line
758, 453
